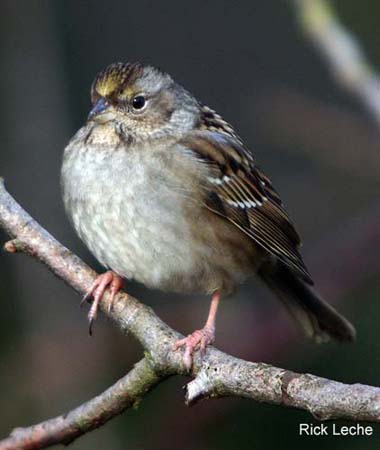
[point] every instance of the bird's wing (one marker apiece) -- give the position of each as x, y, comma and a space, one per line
238, 191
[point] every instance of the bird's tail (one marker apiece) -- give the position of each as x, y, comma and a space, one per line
319, 320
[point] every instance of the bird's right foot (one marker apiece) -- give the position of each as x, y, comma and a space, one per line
106, 280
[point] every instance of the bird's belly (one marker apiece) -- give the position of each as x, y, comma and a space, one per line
143, 229
137, 244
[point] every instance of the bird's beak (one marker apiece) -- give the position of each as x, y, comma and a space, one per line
101, 112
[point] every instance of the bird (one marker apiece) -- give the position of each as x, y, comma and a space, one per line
163, 191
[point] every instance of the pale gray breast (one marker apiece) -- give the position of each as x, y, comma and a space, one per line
128, 213
140, 213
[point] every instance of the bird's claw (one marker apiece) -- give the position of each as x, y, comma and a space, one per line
102, 282
198, 339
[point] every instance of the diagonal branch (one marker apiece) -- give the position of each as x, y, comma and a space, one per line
92, 414
341, 50
216, 374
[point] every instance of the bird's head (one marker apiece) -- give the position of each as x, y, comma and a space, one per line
143, 102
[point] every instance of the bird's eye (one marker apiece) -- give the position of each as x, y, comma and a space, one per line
138, 102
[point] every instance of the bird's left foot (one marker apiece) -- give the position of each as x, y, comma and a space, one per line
108, 279
200, 338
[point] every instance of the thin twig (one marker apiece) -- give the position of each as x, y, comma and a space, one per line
215, 375
341, 50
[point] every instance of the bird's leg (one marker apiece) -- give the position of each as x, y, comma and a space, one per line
200, 338
108, 279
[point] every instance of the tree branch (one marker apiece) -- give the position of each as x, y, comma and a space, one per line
92, 414
216, 374
341, 50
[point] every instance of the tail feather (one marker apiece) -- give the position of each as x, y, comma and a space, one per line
319, 320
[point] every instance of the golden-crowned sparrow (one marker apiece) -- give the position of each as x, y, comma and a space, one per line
163, 191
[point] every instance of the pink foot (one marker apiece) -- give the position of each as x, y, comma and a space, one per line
102, 282
200, 338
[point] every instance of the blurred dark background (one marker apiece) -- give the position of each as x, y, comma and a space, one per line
250, 62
